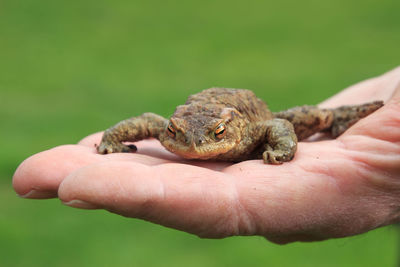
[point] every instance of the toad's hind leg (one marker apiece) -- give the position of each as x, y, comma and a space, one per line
345, 116
308, 120
134, 129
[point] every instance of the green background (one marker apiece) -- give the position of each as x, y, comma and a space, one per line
71, 68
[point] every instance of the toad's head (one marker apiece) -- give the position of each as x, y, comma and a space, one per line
201, 132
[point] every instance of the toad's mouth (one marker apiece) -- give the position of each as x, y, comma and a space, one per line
202, 152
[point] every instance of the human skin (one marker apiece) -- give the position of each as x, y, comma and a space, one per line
332, 188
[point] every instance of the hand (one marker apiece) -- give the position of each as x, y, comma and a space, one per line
332, 188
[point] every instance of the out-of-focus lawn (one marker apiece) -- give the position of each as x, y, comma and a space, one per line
70, 68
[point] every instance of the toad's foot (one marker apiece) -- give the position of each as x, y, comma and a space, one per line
131, 130
110, 147
281, 141
276, 157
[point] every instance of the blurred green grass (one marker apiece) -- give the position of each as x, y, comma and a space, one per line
68, 69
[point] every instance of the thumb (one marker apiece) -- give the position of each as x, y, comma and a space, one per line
188, 198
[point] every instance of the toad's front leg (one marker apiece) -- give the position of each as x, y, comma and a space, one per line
134, 129
281, 141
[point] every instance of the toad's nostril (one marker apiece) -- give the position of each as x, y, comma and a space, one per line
188, 139
200, 140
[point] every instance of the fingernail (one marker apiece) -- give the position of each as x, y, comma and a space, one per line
39, 194
76, 203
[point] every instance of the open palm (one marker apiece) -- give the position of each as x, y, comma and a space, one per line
332, 188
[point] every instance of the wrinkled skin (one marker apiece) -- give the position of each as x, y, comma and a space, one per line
332, 188
232, 125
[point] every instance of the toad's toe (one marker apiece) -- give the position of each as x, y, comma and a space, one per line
107, 148
276, 157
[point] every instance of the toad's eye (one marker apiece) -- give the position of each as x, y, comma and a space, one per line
171, 130
220, 131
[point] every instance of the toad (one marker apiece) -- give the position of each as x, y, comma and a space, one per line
232, 125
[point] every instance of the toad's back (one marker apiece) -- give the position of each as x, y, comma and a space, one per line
244, 101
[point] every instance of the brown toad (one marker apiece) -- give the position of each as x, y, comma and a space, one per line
232, 125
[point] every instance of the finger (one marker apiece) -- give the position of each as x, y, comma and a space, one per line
91, 140
40, 175
189, 198
395, 98
379, 88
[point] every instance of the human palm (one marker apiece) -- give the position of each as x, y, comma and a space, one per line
332, 188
